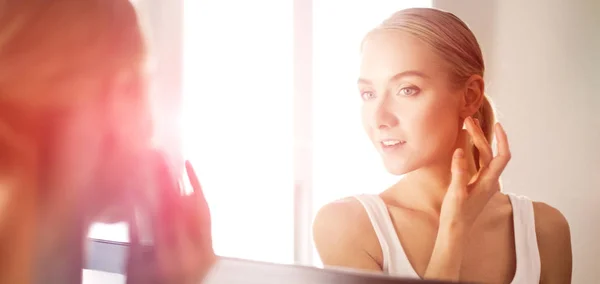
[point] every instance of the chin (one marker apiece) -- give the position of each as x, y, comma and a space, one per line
399, 168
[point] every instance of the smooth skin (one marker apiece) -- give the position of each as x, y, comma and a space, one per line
452, 220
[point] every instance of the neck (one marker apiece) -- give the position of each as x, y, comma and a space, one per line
63, 229
41, 229
426, 187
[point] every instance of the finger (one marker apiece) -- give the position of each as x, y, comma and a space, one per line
463, 139
464, 142
200, 220
169, 194
167, 218
193, 178
187, 252
197, 225
205, 248
477, 155
195, 240
479, 140
498, 164
485, 154
198, 195
460, 176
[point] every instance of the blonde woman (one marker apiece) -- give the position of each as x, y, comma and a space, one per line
421, 81
75, 145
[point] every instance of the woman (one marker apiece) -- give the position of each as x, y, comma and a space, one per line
75, 145
421, 80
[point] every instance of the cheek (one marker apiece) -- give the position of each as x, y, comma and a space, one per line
434, 124
79, 153
76, 147
366, 118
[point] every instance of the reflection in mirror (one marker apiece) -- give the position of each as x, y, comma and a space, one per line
278, 130
340, 147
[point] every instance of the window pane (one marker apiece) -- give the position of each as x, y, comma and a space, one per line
238, 121
345, 163
111, 232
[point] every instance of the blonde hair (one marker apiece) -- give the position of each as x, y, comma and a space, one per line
56, 56
452, 39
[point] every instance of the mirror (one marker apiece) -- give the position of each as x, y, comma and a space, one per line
271, 115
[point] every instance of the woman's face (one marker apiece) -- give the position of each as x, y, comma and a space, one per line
410, 109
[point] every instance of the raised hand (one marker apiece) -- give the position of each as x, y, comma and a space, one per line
182, 250
469, 192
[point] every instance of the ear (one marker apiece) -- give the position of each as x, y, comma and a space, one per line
472, 96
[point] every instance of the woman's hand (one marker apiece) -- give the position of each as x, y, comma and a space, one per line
181, 228
468, 194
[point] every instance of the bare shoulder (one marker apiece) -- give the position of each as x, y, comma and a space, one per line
554, 243
549, 219
343, 236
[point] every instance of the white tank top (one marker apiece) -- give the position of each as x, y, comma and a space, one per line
396, 263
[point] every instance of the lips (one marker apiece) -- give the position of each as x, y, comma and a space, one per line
390, 144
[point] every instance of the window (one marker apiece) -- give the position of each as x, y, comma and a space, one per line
345, 163
241, 116
238, 122
111, 232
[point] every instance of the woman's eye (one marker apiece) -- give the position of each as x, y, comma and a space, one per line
409, 91
367, 95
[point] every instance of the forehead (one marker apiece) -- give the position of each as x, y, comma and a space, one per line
386, 53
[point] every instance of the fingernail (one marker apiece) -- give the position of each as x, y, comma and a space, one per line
459, 153
477, 122
501, 128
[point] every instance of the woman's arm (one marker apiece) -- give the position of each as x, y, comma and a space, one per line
554, 244
467, 196
446, 258
341, 235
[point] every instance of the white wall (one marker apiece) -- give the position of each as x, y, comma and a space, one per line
543, 72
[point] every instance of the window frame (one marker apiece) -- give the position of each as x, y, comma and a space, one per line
303, 132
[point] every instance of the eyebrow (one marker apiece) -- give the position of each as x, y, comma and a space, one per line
409, 73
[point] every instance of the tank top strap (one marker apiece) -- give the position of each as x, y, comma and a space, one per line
395, 261
526, 246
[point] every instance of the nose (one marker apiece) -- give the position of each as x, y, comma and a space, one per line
385, 117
